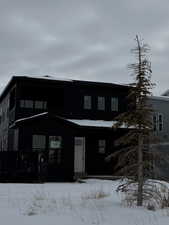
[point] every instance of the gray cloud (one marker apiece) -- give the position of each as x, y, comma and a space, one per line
80, 39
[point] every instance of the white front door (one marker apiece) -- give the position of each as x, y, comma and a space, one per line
79, 156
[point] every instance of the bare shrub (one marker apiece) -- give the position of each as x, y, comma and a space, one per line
155, 195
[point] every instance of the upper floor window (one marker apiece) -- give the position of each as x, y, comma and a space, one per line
102, 146
40, 105
101, 103
26, 104
87, 102
38, 142
114, 104
30, 104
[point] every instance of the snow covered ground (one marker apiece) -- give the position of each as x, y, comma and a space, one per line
93, 202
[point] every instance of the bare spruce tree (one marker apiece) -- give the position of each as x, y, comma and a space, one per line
134, 157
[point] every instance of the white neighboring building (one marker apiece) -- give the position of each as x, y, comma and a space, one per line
160, 105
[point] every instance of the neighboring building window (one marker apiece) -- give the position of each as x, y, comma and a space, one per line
154, 122
55, 142
101, 103
114, 104
39, 142
40, 105
26, 104
87, 102
160, 122
102, 146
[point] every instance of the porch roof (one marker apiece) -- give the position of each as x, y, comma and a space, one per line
75, 122
92, 123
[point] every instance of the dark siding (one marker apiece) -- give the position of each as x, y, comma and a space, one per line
49, 127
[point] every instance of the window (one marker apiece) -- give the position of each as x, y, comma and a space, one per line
154, 122
55, 142
114, 104
158, 122
39, 142
102, 146
101, 103
87, 102
40, 104
26, 104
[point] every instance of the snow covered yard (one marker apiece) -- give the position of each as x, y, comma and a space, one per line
93, 202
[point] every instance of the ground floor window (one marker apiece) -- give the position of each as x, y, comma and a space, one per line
55, 145
102, 146
55, 142
39, 142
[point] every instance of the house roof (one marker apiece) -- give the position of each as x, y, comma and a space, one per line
54, 79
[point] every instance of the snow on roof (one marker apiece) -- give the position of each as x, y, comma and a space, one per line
31, 117
47, 77
95, 123
57, 78
80, 122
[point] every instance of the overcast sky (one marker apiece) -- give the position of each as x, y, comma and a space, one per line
82, 39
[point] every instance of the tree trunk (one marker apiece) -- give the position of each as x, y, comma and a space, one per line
140, 171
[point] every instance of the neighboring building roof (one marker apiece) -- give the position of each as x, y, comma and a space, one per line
165, 93
162, 98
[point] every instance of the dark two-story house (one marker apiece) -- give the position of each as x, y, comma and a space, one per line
58, 129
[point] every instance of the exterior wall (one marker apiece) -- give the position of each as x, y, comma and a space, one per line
4, 114
160, 105
66, 98
74, 102
48, 127
63, 99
